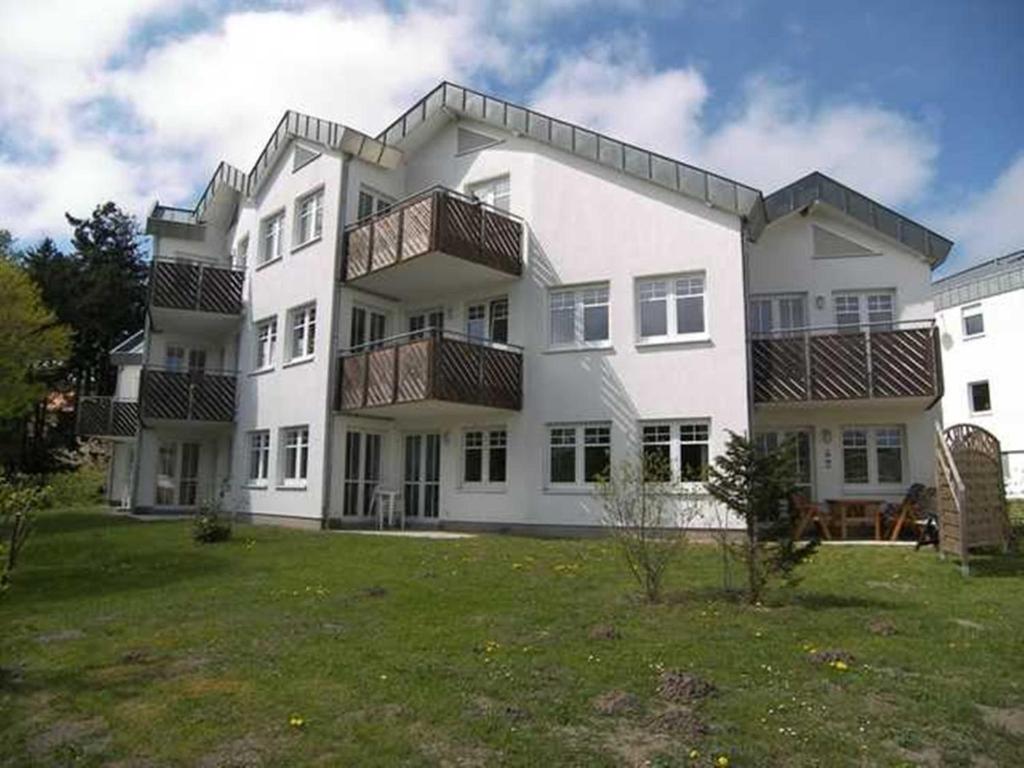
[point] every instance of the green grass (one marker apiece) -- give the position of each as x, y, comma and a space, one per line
127, 644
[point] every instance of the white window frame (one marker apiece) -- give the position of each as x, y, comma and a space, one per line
268, 255
872, 432
489, 306
491, 438
268, 324
666, 288
241, 257
495, 191
294, 439
578, 298
970, 396
774, 303
971, 311
579, 432
307, 340
379, 202
258, 446
315, 199
679, 432
864, 310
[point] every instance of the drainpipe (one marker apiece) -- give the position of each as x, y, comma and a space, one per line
745, 251
332, 344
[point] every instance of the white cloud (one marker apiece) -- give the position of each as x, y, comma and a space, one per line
989, 224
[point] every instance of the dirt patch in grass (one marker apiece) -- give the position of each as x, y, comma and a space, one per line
616, 702
485, 706
1009, 719
882, 627
66, 741
604, 632
683, 688
448, 754
247, 752
924, 757
375, 591
61, 636
682, 723
831, 656
636, 745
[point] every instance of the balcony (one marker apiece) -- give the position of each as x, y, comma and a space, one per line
107, 417
187, 396
831, 365
194, 296
430, 373
438, 239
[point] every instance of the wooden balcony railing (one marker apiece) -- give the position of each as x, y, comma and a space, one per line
440, 220
107, 417
832, 364
196, 286
187, 395
431, 365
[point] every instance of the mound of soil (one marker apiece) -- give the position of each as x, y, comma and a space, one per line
682, 688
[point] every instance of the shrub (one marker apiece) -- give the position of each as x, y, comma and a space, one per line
210, 525
83, 475
17, 503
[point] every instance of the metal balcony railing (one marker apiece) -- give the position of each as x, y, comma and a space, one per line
431, 365
440, 220
881, 360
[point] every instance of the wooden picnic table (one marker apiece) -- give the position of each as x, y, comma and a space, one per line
858, 510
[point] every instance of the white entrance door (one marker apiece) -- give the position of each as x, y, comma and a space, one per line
177, 474
422, 475
362, 472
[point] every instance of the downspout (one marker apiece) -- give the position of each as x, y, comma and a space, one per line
332, 344
745, 251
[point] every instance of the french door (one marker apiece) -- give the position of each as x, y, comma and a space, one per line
362, 472
177, 476
422, 475
421, 322
770, 440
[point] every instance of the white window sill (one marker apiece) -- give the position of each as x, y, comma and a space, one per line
261, 371
592, 347
981, 414
296, 486
482, 488
267, 263
973, 336
299, 361
569, 490
655, 342
302, 246
256, 485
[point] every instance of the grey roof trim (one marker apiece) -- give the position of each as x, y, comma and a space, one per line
226, 175
1000, 275
129, 351
709, 188
816, 187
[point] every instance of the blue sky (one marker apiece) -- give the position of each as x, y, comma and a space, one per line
917, 103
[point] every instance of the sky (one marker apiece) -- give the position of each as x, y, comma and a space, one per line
917, 103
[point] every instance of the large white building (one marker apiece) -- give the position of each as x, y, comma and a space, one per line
481, 306
978, 312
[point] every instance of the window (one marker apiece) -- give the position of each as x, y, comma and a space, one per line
578, 317
494, 192
676, 449
488, 320
569, 466
876, 309
371, 202
259, 457
242, 252
422, 322
266, 342
309, 217
270, 238
873, 455
973, 321
765, 442
783, 313
484, 456
368, 327
296, 456
174, 358
980, 399
671, 308
302, 323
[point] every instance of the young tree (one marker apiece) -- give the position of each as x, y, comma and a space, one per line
756, 486
647, 514
31, 341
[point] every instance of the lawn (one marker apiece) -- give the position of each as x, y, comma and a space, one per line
124, 643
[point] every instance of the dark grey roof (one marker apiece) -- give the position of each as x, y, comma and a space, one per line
816, 187
710, 188
1000, 275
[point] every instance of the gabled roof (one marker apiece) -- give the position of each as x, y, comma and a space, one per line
129, 351
709, 188
818, 189
991, 278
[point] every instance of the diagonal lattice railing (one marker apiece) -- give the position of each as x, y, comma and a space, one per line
196, 286
187, 395
107, 417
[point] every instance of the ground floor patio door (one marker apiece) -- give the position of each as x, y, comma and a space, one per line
177, 478
421, 488
803, 440
362, 472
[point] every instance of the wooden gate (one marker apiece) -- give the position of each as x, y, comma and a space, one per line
971, 495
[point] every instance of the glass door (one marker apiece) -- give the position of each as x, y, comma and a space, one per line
421, 487
362, 472
177, 474
188, 483
802, 438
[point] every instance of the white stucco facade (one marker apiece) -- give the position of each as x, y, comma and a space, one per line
667, 264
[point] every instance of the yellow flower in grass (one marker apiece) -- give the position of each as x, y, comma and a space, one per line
722, 761
841, 665
295, 721
694, 754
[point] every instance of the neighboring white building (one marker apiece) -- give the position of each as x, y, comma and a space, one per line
482, 306
979, 312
